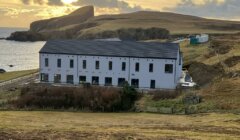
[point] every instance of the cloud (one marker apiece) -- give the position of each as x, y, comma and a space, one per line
28, 2
121, 5
43, 2
223, 9
14, 12
55, 2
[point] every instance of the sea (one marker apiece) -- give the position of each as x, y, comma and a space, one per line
17, 56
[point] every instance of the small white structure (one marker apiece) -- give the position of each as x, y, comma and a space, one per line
143, 65
186, 80
203, 38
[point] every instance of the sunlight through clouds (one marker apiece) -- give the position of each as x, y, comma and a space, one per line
26, 11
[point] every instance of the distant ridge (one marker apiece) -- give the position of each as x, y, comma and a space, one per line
82, 24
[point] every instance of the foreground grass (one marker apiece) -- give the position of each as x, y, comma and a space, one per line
16, 74
66, 125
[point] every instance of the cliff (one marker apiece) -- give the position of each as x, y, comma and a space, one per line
76, 17
82, 24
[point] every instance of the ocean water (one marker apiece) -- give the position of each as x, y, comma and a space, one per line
22, 55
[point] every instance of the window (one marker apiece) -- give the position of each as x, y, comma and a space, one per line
70, 79
123, 66
150, 67
71, 63
121, 82
135, 83
152, 84
137, 67
95, 80
110, 65
46, 62
168, 68
82, 79
108, 81
59, 63
84, 64
44, 77
97, 65
57, 78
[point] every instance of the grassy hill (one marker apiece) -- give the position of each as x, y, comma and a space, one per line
175, 23
82, 24
215, 66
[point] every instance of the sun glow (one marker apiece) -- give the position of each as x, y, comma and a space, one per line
68, 1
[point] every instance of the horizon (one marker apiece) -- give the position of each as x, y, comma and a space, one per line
27, 11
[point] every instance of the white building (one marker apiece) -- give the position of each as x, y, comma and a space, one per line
143, 65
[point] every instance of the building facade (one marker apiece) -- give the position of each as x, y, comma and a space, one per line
142, 65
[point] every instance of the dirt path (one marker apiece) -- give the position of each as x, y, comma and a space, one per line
19, 81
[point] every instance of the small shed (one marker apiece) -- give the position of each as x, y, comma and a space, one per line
199, 39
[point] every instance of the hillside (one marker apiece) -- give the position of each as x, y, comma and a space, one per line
81, 24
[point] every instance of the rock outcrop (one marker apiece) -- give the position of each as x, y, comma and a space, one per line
76, 17
26, 36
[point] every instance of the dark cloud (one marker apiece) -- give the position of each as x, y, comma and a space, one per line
229, 9
121, 5
41, 2
55, 2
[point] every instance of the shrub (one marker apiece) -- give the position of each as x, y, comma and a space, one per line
165, 94
91, 98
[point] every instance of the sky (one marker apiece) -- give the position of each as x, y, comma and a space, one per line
20, 13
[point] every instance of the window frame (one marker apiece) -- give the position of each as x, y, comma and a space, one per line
121, 84
97, 83
59, 63
151, 67
84, 64
44, 77
46, 62
110, 65
123, 66
110, 79
56, 80
71, 63
168, 68
137, 67
70, 81
82, 81
97, 65
152, 86
132, 83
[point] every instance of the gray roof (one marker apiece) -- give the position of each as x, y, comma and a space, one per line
112, 48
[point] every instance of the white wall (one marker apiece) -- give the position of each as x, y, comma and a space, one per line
163, 80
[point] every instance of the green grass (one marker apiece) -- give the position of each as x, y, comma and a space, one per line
16, 74
67, 125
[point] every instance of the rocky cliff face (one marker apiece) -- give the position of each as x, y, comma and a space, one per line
56, 28
75, 17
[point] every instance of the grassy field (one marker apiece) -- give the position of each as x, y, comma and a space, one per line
12, 75
66, 125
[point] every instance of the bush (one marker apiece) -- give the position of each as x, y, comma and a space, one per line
106, 99
130, 34
143, 34
165, 94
